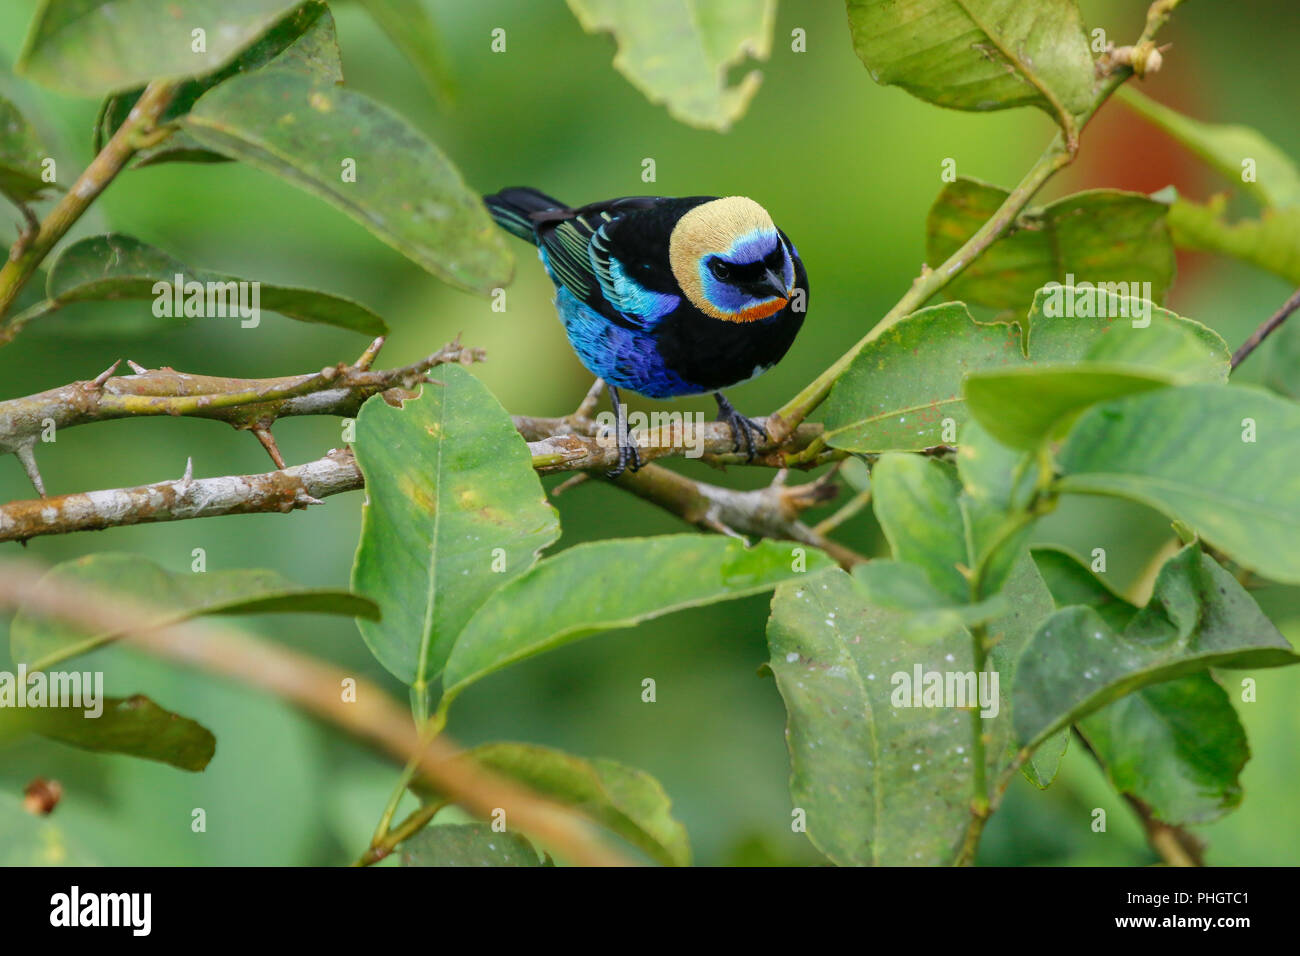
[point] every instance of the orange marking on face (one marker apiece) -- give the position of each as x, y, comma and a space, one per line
760, 311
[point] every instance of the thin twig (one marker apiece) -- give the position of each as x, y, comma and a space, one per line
389, 842
1271, 325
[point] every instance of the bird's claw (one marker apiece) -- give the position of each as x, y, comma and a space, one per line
629, 458
743, 428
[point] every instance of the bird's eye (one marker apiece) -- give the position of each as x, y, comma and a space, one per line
719, 269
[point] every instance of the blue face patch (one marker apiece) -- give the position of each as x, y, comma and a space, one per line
752, 247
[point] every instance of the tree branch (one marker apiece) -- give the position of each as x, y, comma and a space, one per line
249, 404
181, 499
1270, 325
563, 444
771, 512
315, 687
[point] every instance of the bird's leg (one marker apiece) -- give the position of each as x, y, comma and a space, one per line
628, 455
740, 425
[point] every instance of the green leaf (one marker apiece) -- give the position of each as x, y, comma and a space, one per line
901, 586
1188, 453
602, 585
412, 31
134, 726
406, 191
903, 385
629, 802
93, 47
979, 54
1276, 179
1024, 407
40, 644
1045, 762
1198, 617
305, 40
962, 542
467, 844
1101, 235
1183, 350
994, 477
1271, 243
20, 156
964, 535
916, 503
27, 840
1177, 746
678, 52
1071, 583
117, 266
882, 783
454, 510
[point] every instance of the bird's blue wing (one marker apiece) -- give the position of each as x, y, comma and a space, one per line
575, 250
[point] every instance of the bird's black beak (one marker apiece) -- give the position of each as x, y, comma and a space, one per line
776, 284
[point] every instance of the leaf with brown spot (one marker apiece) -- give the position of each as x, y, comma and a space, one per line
452, 496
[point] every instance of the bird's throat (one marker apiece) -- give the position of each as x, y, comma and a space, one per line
756, 312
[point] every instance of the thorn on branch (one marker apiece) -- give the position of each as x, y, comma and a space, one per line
98, 381
263, 433
137, 368
28, 458
710, 520
571, 482
368, 356
187, 479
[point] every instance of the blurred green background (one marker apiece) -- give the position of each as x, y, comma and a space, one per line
846, 167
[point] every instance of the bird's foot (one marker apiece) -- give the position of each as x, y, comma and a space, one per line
742, 428
629, 456
629, 459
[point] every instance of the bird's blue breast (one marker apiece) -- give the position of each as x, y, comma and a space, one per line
623, 357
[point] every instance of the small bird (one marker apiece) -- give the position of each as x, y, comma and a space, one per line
667, 297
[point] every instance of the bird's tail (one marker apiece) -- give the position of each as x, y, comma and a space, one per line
513, 210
